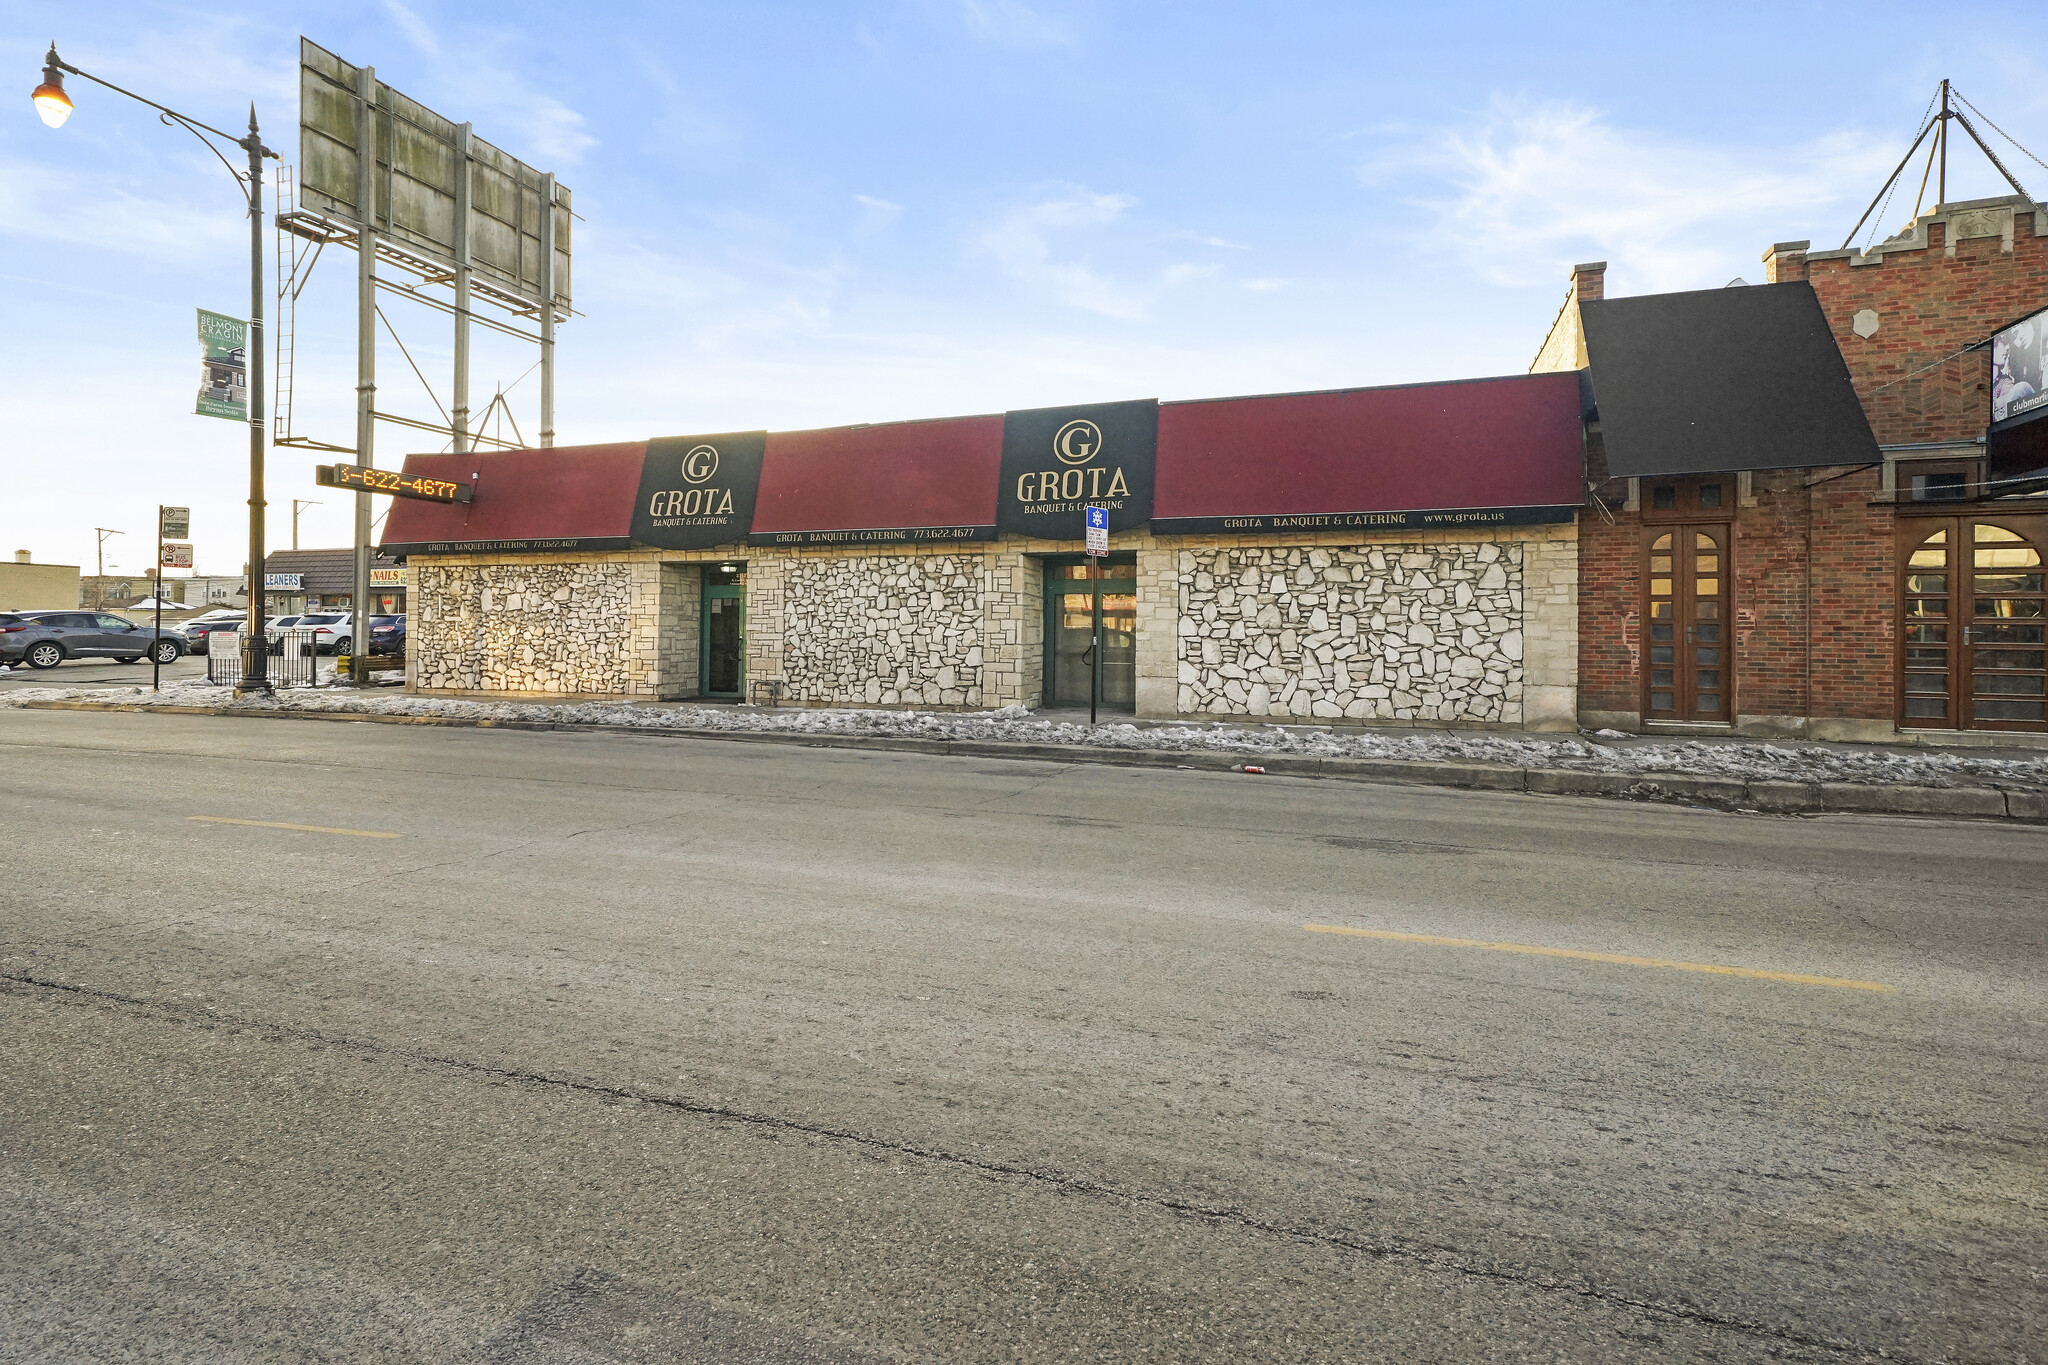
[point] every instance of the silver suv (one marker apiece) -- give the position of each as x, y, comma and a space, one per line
44, 639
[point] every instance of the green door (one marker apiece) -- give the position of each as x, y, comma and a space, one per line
724, 643
1070, 629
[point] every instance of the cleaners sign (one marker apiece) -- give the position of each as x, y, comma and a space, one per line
698, 491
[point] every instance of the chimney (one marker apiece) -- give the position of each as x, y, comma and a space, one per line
21, 556
1785, 262
1589, 281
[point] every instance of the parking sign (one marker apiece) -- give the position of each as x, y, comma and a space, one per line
1098, 530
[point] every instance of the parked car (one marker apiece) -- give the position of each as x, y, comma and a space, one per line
199, 632
44, 639
387, 635
331, 630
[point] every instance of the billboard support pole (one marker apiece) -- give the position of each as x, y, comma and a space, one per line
460, 403
547, 310
366, 361
156, 668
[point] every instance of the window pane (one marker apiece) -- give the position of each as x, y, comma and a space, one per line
1660, 563
1938, 658
2009, 606
1660, 587
1927, 682
1940, 487
1706, 587
1707, 611
1929, 559
1926, 708
1927, 632
1707, 677
2009, 635
1660, 611
1706, 704
1710, 495
1707, 656
1662, 630
1984, 534
1702, 541
2012, 684
1662, 542
2010, 710
1661, 677
1660, 701
1663, 654
1664, 498
1706, 564
2010, 658
1927, 606
2007, 557
1709, 632
1928, 582
2009, 582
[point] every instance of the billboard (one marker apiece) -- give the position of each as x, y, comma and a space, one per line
421, 175
2018, 383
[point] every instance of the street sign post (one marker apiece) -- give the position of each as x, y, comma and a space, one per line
175, 555
172, 524
1098, 550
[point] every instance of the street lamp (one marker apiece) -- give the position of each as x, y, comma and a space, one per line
55, 106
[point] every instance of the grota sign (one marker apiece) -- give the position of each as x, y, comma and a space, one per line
1057, 461
698, 491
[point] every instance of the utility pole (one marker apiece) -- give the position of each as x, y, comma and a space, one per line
366, 362
298, 503
99, 577
547, 311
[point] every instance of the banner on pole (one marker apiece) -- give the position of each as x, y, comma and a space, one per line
176, 555
174, 523
223, 367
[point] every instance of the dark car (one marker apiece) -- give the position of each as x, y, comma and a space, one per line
44, 639
196, 632
387, 635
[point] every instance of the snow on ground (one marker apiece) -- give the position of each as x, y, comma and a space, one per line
1748, 759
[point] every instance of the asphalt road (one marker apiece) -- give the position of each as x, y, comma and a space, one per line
645, 1049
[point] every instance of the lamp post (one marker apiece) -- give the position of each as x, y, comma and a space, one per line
55, 106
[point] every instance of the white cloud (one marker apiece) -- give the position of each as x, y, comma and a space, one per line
414, 28
1538, 186
1021, 243
876, 214
1011, 24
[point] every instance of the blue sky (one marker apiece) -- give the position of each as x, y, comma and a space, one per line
805, 214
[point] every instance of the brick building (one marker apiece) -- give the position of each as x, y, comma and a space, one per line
1857, 596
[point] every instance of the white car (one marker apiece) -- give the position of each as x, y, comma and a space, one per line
331, 630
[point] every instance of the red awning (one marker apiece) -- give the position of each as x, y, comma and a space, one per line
937, 475
525, 500
1497, 444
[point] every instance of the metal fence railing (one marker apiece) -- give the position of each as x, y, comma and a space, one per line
294, 659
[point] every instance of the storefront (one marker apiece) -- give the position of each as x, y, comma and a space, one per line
1398, 555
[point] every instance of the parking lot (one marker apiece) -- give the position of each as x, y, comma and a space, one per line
99, 673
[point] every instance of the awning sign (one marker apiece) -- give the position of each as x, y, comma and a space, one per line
282, 582
698, 491
387, 578
223, 367
1058, 461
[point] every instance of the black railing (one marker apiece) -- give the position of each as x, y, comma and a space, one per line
296, 655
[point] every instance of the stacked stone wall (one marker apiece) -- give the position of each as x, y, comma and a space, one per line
883, 630
527, 627
1420, 633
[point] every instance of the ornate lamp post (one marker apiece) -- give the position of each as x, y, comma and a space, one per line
55, 107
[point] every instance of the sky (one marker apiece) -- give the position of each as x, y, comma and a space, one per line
805, 214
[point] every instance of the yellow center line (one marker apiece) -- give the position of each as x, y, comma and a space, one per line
1623, 959
309, 829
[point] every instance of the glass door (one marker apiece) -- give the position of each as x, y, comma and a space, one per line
724, 640
1686, 674
1070, 628
1975, 648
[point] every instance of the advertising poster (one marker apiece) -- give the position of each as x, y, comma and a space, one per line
223, 367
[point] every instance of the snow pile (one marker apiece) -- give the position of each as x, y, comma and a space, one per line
1745, 759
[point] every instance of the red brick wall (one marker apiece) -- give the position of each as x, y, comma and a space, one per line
1610, 593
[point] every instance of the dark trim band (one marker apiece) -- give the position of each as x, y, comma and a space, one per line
901, 535
570, 544
1442, 518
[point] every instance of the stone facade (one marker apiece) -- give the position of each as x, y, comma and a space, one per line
887, 630
531, 626
953, 626
1408, 633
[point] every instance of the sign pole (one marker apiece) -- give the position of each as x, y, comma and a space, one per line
1095, 674
156, 667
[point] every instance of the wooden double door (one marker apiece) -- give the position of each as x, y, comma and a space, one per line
1688, 671
1973, 653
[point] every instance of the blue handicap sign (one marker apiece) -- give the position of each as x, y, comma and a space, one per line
1098, 518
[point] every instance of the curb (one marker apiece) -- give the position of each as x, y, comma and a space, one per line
1721, 793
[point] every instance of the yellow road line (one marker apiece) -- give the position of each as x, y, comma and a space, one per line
309, 829
1623, 959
